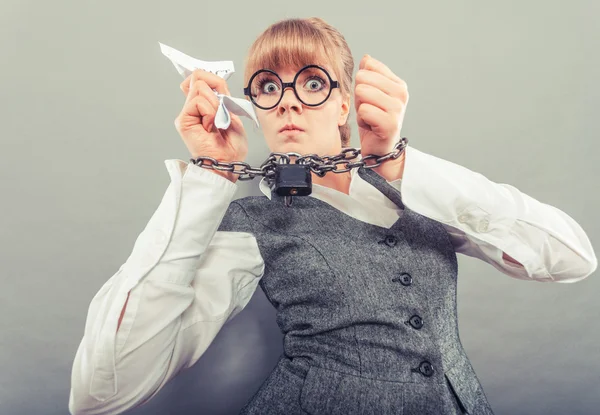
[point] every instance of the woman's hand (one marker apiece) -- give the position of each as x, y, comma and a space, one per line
380, 99
195, 122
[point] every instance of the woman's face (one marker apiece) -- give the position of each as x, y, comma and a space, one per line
320, 124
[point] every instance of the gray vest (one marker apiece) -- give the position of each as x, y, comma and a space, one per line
368, 313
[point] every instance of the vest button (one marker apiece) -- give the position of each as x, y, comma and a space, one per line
416, 322
405, 279
391, 240
426, 368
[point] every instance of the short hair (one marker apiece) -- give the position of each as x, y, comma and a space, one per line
298, 42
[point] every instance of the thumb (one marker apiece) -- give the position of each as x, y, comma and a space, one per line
236, 123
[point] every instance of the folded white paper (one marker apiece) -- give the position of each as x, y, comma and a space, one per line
185, 65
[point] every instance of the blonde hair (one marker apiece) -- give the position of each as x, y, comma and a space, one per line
302, 41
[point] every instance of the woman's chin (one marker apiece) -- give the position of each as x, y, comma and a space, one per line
290, 142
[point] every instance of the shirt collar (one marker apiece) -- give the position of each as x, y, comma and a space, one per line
362, 194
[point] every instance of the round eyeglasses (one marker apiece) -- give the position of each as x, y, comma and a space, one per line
312, 85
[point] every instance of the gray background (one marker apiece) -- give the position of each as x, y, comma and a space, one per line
508, 89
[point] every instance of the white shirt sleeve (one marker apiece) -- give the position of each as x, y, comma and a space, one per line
485, 219
185, 281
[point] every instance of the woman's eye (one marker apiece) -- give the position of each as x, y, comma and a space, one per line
314, 84
269, 87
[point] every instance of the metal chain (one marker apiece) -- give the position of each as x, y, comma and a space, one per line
318, 165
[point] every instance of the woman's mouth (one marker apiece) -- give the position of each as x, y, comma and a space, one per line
291, 132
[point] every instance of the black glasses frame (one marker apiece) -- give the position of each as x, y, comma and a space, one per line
334, 84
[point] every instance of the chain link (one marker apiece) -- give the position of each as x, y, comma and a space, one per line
318, 165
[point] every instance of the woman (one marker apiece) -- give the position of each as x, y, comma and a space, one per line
362, 272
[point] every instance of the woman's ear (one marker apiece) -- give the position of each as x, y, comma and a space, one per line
345, 111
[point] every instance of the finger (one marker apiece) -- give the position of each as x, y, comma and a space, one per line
361, 64
372, 64
185, 84
364, 93
191, 90
379, 81
214, 82
200, 108
360, 122
205, 91
374, 119
236, 124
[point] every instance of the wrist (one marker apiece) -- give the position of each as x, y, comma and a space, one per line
228, 175
391, 169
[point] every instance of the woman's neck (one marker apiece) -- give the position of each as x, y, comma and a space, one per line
336, 181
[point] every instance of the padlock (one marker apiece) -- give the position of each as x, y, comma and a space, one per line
292, 180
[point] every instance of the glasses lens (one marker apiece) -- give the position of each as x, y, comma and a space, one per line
265, 89
312, 86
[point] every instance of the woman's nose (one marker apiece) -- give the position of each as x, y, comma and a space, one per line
289, 100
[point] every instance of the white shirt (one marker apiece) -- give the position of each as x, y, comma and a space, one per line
187, 280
